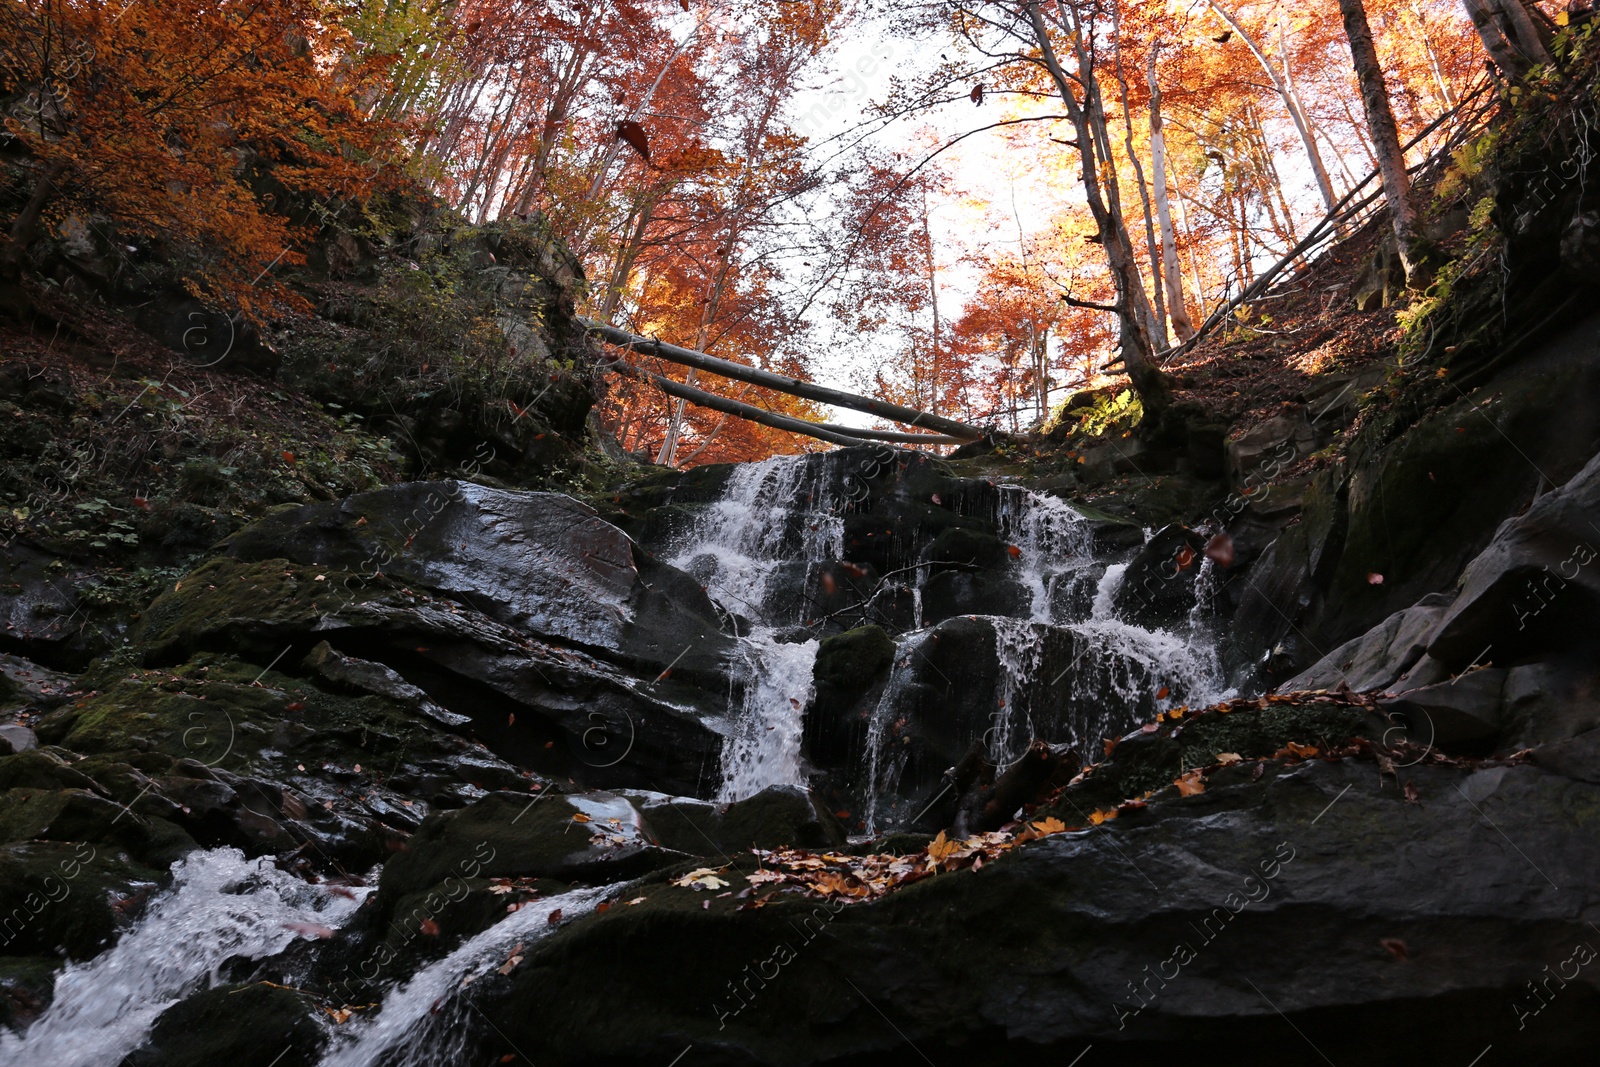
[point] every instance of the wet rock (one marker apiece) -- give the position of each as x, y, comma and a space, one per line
256, 1025
1281, 440
1297, 878
1379, 658
1463, 712
26, 985
541, 563
1546, 702
25, 683
592, 837
14, 738
1158, 588
779, 816
364, 676
66, 898
950, 593
1536, 588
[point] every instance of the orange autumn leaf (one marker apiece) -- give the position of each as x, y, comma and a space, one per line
1190, 783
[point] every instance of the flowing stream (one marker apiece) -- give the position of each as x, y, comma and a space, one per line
221, 906
424, 1021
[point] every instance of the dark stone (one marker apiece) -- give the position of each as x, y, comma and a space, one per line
1158, 588
1239, 873
257, 1025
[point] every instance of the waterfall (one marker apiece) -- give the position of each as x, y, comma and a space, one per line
765, 747
427, 1021
773, 516
1118, 672
1052, 538
879, 776
221, 906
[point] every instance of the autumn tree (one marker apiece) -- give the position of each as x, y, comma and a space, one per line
166, 120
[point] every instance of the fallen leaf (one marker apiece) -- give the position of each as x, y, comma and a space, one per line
976, 96
1396, 948
316, 930
555, 917
941, 849
1228, 758
630, 131
1013, 551
288, 457
702, 878
1049, 826
429, 928
1219, 550
579, 816
1411, 794
1190, 783
1374, 578
635, 900
1161, 694
1303, 751
298, 705
1185, 558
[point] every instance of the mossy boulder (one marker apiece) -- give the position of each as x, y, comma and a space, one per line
853, 660
258, 1025
67, 898
591, 837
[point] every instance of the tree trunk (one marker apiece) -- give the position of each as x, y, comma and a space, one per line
1171, 274
1158, 317
1508, 35
1291, 101
14, 251
1385, 143
1088, 121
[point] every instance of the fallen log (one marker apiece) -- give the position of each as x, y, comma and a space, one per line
839, 435
961, 431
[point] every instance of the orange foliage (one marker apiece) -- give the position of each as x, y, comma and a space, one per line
186, 122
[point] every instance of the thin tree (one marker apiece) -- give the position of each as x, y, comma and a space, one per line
1093, 143
1385, 142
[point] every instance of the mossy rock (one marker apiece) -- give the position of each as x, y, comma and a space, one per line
254, 608
855, 659
26, 986
1145, 762
257, 1025
67, 898
964, 548
596, 837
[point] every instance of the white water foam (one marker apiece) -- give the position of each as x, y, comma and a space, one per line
737, 547
765, 747
221, 906
424, 1022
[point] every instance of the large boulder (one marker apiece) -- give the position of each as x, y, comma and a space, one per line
541, 563
1320, 898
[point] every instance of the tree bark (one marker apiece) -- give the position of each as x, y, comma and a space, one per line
839, 435
1171, 273
792, 386
1088, 120
13, 253
1385, 143
1291, 102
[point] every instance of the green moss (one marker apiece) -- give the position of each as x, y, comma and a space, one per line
854, 659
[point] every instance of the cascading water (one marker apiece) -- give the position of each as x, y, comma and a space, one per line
221, 906
425, 1021
774, 515
1117, 670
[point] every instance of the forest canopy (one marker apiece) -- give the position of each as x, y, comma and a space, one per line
971, 208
